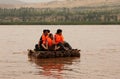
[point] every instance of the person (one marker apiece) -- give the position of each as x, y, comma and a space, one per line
59, 40
50, 42
42, 42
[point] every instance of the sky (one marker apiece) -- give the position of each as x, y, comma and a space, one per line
38, 0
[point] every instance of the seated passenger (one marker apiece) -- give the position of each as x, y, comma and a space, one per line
59, 40
42, 42
50, 42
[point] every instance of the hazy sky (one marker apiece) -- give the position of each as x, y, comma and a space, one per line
38, 0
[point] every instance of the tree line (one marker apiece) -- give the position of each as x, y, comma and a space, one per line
59, 16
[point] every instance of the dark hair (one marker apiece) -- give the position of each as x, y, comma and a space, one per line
46, 30
50, 34
59, 31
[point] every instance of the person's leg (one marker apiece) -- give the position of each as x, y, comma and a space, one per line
52, 48
66, 44
62, 47
42, 48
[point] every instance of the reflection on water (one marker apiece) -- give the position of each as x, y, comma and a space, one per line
53, 66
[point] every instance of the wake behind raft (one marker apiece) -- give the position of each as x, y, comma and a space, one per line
54, 54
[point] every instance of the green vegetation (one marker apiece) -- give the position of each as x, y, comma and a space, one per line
60, 16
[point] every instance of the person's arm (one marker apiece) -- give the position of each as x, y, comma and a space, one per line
53, 41
57, 47
40, 40
45, 47
62, 39
39, 43
45, 44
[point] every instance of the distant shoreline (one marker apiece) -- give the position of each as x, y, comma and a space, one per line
61, 16
60, 23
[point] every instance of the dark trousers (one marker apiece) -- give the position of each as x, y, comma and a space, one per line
51, 48
64, 45
39, 48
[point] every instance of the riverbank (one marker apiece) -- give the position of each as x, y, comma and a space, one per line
61, 16
59, 23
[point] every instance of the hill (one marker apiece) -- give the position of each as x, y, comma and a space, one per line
75, 3
59, 4
9, 2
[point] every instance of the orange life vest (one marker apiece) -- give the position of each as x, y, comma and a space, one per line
50, 41
58, 38
43, 39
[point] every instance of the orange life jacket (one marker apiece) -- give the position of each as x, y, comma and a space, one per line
58, 38
50, 41
43, 39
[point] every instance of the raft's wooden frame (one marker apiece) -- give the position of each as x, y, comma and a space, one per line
54, 54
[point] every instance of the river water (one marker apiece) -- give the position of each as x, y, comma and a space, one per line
99, 44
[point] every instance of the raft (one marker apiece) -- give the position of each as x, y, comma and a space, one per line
54, 54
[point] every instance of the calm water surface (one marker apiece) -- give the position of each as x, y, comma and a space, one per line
100, 55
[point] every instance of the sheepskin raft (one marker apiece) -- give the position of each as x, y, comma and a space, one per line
54, 54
